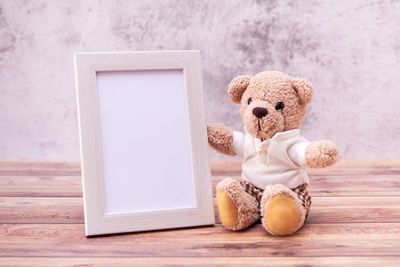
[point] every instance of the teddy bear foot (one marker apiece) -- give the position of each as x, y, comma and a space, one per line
281, 210
237, 209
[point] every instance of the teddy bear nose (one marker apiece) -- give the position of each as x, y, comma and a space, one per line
260, 112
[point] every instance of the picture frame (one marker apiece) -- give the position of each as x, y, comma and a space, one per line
143, 141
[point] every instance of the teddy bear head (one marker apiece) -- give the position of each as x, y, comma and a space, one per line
270, 102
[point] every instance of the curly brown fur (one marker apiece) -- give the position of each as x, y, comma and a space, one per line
245, 203
265, 90
220, 137
321, 154
237, 86
304, 90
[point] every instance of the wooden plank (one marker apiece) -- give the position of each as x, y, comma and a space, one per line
346, 185
40, 168
204, 261
226, 167
312, 241
219, 167
354, 185
323, 210
41, 210
40, 186
321, 185
354, 209
349, 166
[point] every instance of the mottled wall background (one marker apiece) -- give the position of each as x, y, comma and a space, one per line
350, 50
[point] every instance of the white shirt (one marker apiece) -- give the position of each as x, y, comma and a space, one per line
279, 160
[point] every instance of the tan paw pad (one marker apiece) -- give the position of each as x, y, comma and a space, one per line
282, 215
228, 212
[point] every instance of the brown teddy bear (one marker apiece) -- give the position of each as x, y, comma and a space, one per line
274, 154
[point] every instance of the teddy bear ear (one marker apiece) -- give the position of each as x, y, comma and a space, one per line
304, 90
237, 87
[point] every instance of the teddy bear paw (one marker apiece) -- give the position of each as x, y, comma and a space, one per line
281, 210
321, 154
282, 215
237, 209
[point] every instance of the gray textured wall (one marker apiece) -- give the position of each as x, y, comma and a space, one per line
350, 50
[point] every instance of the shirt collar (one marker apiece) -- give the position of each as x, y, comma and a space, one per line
281, 136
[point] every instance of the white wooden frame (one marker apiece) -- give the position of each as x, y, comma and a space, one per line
97, 221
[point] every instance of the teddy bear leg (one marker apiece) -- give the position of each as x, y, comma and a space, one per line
281, 210
237, 209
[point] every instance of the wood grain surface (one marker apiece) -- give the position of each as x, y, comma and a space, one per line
354, 220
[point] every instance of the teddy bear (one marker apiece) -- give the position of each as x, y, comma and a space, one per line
274, 155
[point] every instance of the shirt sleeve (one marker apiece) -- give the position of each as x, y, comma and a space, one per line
297, 153
238, 143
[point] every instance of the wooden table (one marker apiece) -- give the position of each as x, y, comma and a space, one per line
355, 219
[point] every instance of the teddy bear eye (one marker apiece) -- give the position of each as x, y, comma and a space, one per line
249, 101
279, 106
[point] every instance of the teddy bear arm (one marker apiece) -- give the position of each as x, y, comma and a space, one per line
321, 154
220, 137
